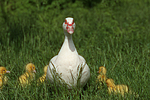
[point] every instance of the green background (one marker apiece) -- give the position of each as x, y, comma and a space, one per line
112, 33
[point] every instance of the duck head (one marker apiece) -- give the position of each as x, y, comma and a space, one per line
102, 70
3, 70
30, 68
69, 25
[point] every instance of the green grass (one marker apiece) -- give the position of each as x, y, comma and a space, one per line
117, 37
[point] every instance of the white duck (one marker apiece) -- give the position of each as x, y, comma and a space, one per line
68, 66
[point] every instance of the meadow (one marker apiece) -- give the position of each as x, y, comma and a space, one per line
114, 34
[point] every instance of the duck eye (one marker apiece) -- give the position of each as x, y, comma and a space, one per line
33, 67
3, 70
65, 21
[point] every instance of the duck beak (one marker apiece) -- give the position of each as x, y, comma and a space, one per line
34, 71
70, 29
7, 71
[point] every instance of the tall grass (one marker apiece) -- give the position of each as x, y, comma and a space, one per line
116, 37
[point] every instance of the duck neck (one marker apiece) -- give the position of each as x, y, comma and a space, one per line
68, 44
68, 38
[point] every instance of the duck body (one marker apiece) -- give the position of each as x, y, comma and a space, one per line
112, 88
122, 89
69, 65
101, 78
43, 77
28, 76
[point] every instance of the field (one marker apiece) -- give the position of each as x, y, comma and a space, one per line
114, 34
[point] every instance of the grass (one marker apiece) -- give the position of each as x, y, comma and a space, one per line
116, 37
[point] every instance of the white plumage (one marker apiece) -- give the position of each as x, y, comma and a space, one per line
68, 65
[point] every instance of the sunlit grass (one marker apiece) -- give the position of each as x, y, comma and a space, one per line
116, 39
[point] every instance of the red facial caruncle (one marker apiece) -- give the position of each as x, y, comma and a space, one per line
69, 27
